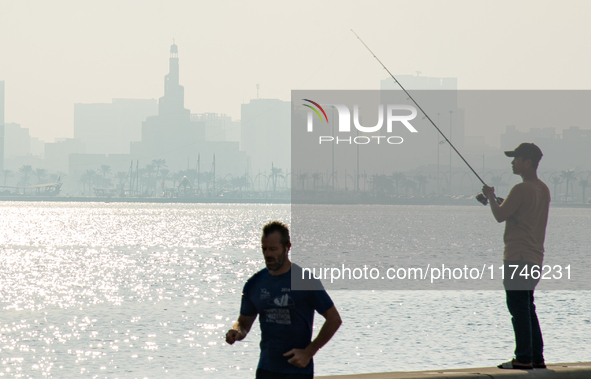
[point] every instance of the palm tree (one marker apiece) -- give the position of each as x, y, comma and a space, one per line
88, 177
568, 176
57, 176
105, 169
221, 184
159, 163
410, 184
149, 170
122, 178
243, 182
398, 178
422, 181
556, 180
82, 180
315, 178
164, 174
7, 174
207, 178
40, 172
25, 172
275, 173
176, 177
364, 177
381, 184
302, 178
584, 184
235, 182
191, 174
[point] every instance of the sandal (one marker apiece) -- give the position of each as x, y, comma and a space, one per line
513, 364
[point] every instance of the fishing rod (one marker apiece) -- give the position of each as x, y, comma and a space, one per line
480, 197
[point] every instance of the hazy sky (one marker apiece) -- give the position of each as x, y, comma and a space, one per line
57, 53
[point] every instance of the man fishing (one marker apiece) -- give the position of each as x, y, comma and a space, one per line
525, 213
285, 316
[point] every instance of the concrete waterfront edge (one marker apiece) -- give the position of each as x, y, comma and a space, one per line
580, 370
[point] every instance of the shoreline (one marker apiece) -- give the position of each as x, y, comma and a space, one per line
234, 200
576, 370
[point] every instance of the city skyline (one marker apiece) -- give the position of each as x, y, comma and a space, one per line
225, 56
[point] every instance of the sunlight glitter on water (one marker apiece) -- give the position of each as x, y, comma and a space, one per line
143, 290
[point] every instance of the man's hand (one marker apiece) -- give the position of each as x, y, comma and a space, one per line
234, 335
489, 192
300, 358
240, 329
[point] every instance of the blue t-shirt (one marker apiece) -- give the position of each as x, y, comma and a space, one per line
285, 317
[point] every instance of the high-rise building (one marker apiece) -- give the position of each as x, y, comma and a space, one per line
57, 153
266, 134
562, 151
18, 141
1, 124
110, 128
218, 127
37, 147
438, 97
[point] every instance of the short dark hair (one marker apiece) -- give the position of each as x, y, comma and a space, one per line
279, 227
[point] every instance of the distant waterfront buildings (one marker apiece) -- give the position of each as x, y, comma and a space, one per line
110, 128
170, 134
266, 134
438, 98
566, 150
37, 147
78, 164
145, 130
21, 149
19, 141
1, 125
218, 127
180, 139
57, 154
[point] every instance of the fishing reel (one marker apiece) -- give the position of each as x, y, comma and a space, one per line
482, 199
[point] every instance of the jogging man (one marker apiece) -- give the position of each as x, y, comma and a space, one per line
285, 316
525, 212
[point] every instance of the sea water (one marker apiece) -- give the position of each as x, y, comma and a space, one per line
118, 290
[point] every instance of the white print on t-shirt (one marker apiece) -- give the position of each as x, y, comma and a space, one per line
283, 302
278, 316
265, 294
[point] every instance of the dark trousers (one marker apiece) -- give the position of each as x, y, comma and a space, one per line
265, 374
529, 345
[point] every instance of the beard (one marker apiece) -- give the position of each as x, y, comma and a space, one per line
275, 264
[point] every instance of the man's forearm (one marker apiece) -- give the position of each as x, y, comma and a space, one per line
241, 328
496, 209
329, 328
243, 324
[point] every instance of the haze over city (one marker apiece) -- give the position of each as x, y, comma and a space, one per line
206, 93
57, 54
